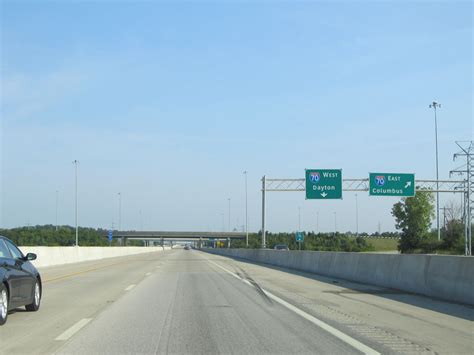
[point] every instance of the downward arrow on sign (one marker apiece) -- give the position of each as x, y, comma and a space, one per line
324, 194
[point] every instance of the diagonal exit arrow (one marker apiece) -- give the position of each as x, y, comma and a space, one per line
408, 184
324, 194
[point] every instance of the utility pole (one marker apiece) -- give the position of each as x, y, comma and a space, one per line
335, 223
75, 162
434, 105
444, 217
246, 213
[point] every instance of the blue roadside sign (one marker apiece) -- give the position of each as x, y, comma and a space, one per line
110, 235
299, 237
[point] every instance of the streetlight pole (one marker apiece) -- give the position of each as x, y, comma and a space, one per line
229, 214
141, 220
246, 213
57, 192
357, 217
120, 211
299, 218
434, 105
75, 162
335, 223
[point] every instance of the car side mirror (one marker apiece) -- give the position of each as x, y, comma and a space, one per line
31, 256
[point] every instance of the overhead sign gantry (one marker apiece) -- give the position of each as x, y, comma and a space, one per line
324, 184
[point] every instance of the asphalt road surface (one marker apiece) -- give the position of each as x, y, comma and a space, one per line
183, 301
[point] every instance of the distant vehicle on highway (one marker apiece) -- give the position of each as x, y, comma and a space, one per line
281, 247
20, 282
187, 247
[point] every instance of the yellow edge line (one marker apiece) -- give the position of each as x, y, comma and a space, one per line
81, 272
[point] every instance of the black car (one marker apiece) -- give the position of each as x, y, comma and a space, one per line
20, 282
281, 247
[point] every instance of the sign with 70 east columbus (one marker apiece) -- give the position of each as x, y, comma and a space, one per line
323, 184
391, 184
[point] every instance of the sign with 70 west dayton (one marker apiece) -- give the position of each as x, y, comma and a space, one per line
390, 184
323, 184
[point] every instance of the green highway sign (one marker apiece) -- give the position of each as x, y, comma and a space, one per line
391, 184
323, 184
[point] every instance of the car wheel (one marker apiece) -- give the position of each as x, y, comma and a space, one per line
36, 299
3, 304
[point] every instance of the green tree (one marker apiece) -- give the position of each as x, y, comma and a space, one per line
413, 217
453, 236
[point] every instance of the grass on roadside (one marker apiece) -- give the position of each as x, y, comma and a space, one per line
383, 244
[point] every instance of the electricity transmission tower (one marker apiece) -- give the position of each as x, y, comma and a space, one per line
467, 171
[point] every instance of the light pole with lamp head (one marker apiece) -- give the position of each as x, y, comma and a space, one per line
434, 105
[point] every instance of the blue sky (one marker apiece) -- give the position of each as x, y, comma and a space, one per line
169, 102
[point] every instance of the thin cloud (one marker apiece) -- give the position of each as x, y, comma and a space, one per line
24, 95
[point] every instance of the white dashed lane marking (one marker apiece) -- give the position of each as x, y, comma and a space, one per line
74, 329
129, 287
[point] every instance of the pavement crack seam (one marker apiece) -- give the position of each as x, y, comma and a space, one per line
318, 322
257, 287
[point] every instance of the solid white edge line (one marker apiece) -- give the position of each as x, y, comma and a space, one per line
337, 333
129, 287
74, 329
148, 274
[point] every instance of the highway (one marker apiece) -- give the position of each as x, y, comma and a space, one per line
188, 301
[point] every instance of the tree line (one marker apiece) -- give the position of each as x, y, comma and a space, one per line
413, 216
312, 241
49, 235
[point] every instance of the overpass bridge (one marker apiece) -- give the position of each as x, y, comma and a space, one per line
199, 236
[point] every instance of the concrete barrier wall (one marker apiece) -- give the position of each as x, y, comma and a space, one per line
446, 277
49, 256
